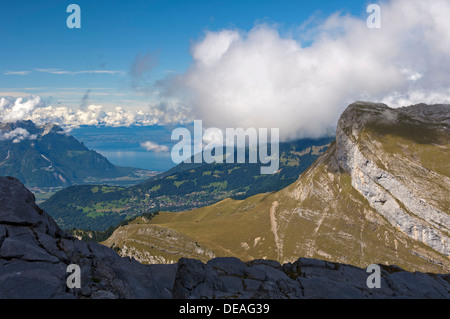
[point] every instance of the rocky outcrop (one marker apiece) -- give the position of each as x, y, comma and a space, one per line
228, 277
395, 196
35, 253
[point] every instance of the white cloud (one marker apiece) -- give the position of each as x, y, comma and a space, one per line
18, 109
16, 72
32, 108
60, 71
214, 46
154, 147
262, 79
17, 135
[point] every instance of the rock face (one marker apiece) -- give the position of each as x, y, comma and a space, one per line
407, 205
35, 253
228, 277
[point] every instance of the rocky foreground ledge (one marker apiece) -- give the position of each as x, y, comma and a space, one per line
35, 253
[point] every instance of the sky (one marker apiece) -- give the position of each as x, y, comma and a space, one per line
289, 64
114, 35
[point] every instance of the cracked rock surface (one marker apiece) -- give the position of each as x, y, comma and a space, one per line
306, 278
35, 253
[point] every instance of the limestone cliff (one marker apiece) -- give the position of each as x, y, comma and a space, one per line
412, 197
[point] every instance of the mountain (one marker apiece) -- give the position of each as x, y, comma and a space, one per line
379, 194
186, 186
35, 254
46, 156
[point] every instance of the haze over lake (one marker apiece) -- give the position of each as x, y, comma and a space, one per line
122, 145
141, 159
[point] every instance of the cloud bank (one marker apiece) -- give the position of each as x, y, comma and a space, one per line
34, 109
260, 78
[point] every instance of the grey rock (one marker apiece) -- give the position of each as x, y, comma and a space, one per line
2, 234
415, 217
38, 280
190, 274
312, 279
231, 283
269, 271
413, 285
100, 251
103, 294
51, 246
35, 253
14, 248
230, 265
322, 288
311, 262
164, 278
17, 203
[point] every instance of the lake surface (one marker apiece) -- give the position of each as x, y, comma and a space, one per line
122, 145
147, 160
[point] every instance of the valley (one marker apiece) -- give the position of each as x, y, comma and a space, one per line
185, 186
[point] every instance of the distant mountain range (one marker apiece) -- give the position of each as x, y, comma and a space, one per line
379, 194
46, 156
186, 186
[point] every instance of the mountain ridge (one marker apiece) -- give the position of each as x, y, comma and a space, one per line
332, 211
418, 219
46, 156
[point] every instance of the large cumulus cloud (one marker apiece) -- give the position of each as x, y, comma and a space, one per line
260, 78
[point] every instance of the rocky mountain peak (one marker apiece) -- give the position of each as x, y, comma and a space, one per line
51, 128
358, 114
386, 152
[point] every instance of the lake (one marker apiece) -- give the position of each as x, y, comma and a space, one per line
147, 160
122, 145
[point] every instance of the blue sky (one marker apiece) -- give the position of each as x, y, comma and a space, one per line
36, 41
293, 65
